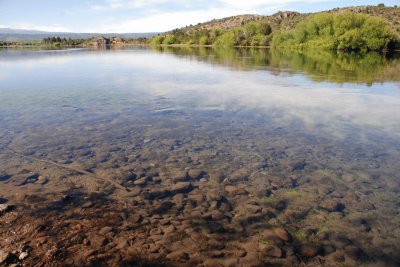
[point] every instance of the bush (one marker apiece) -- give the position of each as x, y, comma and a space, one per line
346, 31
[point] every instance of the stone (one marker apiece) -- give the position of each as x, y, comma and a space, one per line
271, 251
137, 218
332, 205
162, 207
87, 205
309, 250
179, 176
178, 255
282, 234
196, 174
169, 229
23, 256
141, 181
106, 230
4, 208
181, 187
7, 258
4, 176
235, 190
97, 240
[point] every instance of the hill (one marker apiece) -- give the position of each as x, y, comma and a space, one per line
259, 30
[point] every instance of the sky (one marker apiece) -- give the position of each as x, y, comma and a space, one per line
122, 16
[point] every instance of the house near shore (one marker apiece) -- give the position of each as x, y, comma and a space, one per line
101, 41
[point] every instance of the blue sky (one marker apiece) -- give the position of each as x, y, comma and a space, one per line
145, 15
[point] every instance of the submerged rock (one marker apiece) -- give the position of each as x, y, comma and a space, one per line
309, 250
181, 187
4, 208
282, 234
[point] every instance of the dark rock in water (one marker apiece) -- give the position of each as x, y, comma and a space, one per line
280, 205
196, 173
309, 250
4, 208
181, 187
283, 234
4, 176
353, 252
7, 258
3, 200
299, 166
163, 207
30, 179
159, 193
332, 205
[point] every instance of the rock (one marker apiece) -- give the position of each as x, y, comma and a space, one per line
299, 166
3, 200
137, 218
163, 207
235, 190
271, 251
217, 215
97, 240
179, 176
169, 229
178, 256
181, 187
309, 250
106, 230
159, 193
332, 205
4, 208
141, 181
215, 244
4, 176
282, 234
88, 204
196, 174
7, 258
23, 256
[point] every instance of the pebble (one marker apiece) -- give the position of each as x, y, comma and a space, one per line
181, 187
23, 256
271, 251
309, 250
4, 208
141, 181
282, 234
178, 255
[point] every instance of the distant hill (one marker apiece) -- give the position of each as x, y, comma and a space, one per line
7, 34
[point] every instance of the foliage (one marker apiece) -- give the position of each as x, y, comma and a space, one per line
347, 31
251, 33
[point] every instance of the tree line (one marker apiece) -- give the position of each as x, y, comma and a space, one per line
345, 31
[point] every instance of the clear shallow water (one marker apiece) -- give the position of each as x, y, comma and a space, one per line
309, 143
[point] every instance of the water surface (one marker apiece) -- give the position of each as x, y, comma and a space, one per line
225, 145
